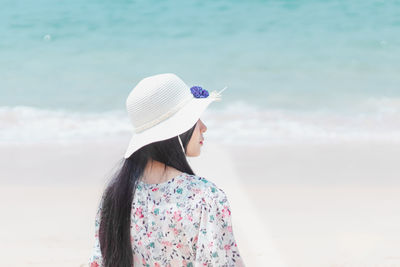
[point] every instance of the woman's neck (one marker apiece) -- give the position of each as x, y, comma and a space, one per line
155, 172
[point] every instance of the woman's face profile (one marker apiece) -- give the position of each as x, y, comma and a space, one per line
196, 141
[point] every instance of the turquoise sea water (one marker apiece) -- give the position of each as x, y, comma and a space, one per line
299, 68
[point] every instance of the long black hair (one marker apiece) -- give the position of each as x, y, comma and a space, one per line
114, 232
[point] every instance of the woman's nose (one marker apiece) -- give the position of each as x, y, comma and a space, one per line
204, 127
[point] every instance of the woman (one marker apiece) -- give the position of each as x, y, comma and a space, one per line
156, 211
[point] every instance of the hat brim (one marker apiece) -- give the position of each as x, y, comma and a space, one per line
178, 123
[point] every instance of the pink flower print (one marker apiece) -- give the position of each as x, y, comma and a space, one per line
139, 212
94, 264
144, 261
189, 217
229, 229
179, 245
157, 264
166, 243
226, 212
140, 242
227, 247
179, 181
176, 231
154, 189
137, 227
196, 190
177, 216
149, 234
210, 244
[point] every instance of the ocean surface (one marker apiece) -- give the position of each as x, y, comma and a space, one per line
317, 71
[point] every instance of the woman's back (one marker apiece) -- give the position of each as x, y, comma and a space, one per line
185, 221
182, 219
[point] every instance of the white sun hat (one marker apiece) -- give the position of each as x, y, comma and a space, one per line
163, 106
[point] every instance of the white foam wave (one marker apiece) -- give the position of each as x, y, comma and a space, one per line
243, 123
31, 125
238, 123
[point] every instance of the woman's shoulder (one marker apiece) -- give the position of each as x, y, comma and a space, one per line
205, 187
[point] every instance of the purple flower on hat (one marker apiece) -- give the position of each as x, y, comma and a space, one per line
199, 92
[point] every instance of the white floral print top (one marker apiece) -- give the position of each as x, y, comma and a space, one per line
185, 221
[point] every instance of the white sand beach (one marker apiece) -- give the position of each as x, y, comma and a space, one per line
292, 205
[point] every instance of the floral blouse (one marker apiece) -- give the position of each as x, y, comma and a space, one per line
185, 221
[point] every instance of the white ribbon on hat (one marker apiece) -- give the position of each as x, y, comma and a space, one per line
180, 142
